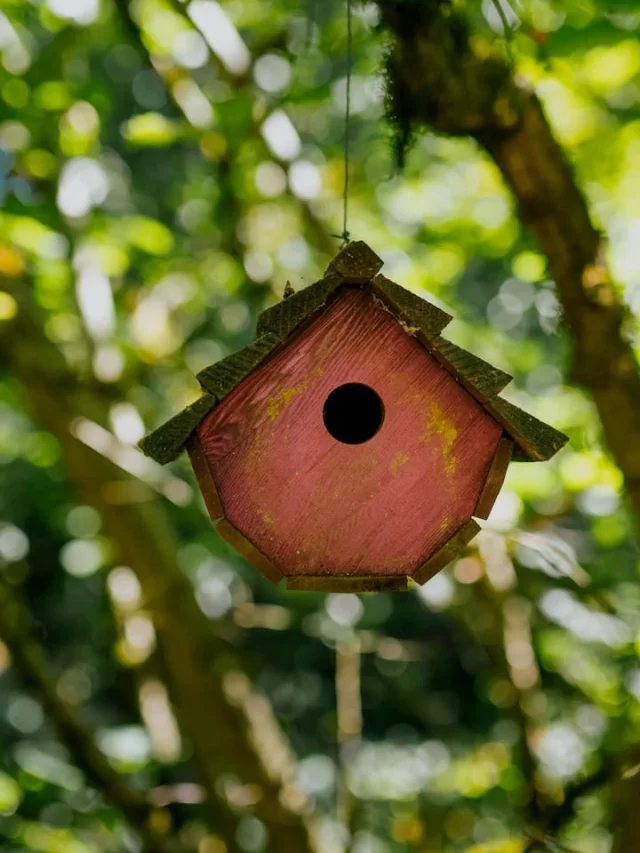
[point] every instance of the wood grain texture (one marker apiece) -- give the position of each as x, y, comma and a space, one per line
480, 378
535, 440
167, 442
284, 318
225, 375
415, 311
357, 263
447, 553
314, 506
293, 315
495, 479
205, 480
248, 550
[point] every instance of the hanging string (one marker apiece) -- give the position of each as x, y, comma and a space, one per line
345, 236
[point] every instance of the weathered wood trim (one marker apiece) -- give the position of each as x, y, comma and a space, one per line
365, 583
202, 471
535, 440
357, 263
478, 393
412, 310
167, 442
446, 554
495, 478
222, 377
248, 550
479, 378
286, 316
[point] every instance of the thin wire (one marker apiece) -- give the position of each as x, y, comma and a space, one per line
345, 236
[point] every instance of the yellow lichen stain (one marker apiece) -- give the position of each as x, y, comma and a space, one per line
444, 524
439, 424
266, 517
280, 401
397, 462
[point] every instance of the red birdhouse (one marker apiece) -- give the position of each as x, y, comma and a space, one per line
351, 446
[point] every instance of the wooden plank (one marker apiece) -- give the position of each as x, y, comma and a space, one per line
447, 553
248, 550
167, 442
495, 479
480, 378
221, 378
417, 313
285, 317
330, 583
356, 263
315, 506
536, 440
205, 480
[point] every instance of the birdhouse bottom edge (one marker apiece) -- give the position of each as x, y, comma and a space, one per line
354, 582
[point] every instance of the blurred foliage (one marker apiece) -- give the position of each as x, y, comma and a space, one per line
162, 175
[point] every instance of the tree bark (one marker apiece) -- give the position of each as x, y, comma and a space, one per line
224, 737
625, 790
437, 80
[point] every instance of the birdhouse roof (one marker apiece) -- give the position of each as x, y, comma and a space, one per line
358, 266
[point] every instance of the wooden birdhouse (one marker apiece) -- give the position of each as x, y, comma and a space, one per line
350, 447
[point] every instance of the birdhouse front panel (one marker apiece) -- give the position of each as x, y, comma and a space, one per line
352, 451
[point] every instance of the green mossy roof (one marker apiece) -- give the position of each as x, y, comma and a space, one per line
282, 319
167, 442
535, 440
358, 265
225, 375
416, 312
484, 380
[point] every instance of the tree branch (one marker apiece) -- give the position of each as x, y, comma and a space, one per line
30, 662
437, 80
620, 772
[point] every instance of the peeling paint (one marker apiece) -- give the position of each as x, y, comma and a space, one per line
398, 461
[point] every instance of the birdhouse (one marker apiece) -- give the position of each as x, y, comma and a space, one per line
351, 447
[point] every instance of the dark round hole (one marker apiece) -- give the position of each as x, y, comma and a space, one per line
353, 413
